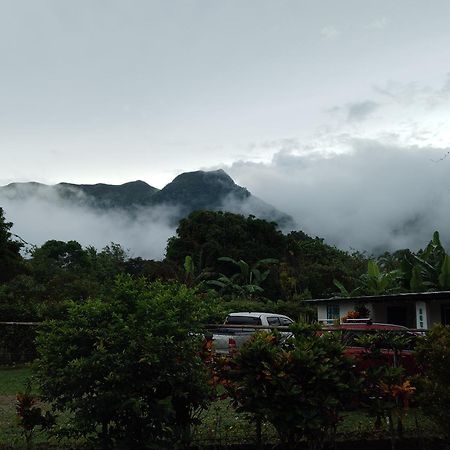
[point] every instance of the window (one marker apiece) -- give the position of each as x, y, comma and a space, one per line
243, 320
273, 321
286, 322
332, 312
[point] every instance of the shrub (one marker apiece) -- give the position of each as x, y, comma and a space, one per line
299, 385
433, 353
128, 370
387, 382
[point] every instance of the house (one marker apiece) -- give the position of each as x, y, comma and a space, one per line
414, 310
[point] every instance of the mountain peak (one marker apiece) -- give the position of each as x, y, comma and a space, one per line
190, 191
202, 176
200, 190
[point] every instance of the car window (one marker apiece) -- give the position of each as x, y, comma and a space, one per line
243, 320
285, 321
273, 321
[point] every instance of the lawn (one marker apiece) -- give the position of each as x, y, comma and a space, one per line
220, 423
12, 380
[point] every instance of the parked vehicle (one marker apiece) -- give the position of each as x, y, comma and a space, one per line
238, 328
394, 344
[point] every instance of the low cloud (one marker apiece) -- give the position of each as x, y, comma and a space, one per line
376, 197
372, 197
45, 216
407, 94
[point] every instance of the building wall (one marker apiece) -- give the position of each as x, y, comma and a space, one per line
344, 308
378, 310
435, 310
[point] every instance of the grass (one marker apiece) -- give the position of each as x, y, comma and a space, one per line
219, 424
13, 379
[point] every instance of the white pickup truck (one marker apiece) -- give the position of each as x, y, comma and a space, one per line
227, 339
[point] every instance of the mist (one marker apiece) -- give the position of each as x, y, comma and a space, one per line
46, 216
375, 197
372, 198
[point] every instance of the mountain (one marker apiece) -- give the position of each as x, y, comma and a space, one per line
200, 190
110, 196
97, 196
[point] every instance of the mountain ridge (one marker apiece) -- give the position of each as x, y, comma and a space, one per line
190, 191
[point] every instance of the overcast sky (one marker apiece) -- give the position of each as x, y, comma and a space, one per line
113, 91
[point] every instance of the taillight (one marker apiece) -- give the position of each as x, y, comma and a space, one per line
231, 344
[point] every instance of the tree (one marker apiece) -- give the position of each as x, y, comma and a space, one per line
373, 282
128, 369
429, 269
11, 262
206, 235
315, 265
376, 282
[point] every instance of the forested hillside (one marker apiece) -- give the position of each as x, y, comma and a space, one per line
237, 260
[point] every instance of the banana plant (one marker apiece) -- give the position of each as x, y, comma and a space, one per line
249, 278
374, 282
377, 282
430, 269
344, 292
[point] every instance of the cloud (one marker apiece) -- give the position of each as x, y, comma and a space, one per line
45, 216
373, 198
412, 93
361, 110
330, 32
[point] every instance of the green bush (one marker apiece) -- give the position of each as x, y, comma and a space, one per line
433, 353
299, 386
129, 371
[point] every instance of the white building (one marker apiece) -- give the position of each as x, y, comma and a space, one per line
414, 310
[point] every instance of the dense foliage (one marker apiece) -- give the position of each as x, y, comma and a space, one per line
207, 236
299, 385
120, 351
434, 355
220, 246
10, 259
128, 370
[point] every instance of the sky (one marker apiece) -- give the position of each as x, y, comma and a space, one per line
336, 112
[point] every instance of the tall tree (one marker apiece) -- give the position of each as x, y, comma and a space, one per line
208, 235
11, 262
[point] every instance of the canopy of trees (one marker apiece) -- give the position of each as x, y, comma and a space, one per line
238, 259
